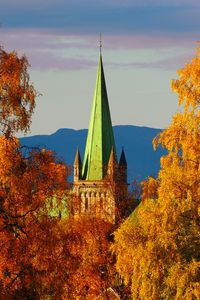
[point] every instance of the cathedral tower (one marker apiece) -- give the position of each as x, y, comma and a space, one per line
99, 179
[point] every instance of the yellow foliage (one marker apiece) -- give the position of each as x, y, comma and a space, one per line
157, 247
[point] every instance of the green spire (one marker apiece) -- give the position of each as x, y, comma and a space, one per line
100, 139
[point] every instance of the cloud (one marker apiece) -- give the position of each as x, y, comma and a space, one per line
47, 49
174, 62
46, 60
59, 39
154, 41
54, 49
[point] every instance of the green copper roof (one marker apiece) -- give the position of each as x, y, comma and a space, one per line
100, 139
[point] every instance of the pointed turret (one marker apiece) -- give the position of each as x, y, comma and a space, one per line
100, 139
122, 161
77, 166
123, 166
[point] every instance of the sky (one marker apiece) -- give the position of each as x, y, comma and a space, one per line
144, 43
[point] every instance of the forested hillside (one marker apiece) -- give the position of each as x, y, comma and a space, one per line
142, 160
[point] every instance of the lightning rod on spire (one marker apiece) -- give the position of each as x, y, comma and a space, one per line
100, 43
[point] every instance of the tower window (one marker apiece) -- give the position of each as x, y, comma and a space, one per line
101, 203
86, 203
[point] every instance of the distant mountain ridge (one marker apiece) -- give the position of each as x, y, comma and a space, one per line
142, 160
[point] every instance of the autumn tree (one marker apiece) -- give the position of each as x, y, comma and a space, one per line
29, 237
30, 181
42, 254
157, 247
17, 94
90, 240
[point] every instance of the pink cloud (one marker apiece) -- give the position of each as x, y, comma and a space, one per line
58, 39
154, 41
47, 49
45, 60
171, 63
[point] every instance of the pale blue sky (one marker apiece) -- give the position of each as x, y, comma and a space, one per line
144, 43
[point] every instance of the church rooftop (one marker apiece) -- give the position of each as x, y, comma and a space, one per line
100, 138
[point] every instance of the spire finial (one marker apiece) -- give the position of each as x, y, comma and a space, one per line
100, 43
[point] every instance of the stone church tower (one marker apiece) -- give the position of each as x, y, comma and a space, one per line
100, 183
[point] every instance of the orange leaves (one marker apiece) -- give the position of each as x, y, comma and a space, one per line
89, 246
26, 229
43, 254
150, 188
17, 94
